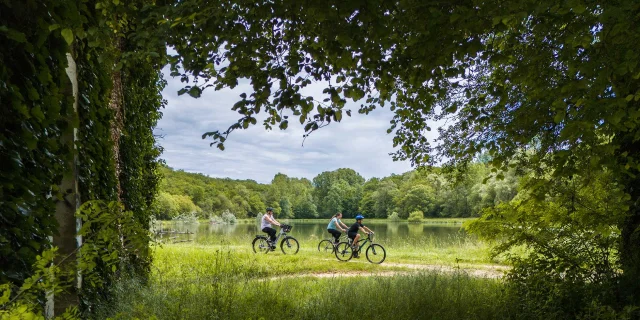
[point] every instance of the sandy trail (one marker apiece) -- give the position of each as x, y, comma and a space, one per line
487, 271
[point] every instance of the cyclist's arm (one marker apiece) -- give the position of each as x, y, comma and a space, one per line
272, 220
366, 229
344, 225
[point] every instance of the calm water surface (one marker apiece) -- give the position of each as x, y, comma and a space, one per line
389, 233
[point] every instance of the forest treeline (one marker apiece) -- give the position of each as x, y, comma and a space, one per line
432, 191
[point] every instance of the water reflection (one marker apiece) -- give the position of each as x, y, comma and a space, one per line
386, 232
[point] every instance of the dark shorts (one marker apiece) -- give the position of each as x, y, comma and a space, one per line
352, 235
271, 232
335, 233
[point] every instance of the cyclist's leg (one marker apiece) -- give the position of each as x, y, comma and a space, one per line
355, 245
335, 234
271, 232
356, 239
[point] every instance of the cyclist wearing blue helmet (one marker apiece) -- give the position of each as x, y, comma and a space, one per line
353, 232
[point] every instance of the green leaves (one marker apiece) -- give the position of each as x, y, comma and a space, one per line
195, 92
14, 35
558, 117
67, 34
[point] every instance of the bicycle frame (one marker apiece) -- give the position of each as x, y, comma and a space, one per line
363, 242
280, 234
343, 237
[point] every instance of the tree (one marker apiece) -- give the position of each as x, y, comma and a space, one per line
337, 190
557, 79
418, 198
287, 210
305, 209
384, 198
256, 205
416, 216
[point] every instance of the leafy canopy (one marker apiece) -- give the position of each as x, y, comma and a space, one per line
555, 76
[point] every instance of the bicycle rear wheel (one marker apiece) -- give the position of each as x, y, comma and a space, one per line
260, 245
343, 251
376, 254
289, 245
325, 246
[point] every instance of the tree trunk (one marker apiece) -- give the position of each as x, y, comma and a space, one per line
116, 103
68, 225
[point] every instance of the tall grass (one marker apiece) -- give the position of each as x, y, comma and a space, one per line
195, 284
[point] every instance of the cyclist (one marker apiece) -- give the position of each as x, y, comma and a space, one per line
354, 235
265, 225
335, 224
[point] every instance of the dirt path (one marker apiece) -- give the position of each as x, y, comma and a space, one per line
487, 271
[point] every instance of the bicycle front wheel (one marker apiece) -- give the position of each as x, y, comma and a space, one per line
260, 245
289, 245
344, 251
325, 246
376, 254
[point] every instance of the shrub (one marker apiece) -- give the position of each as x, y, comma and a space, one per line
187, 218
416, 216
228, 217
568, 228
394, 217
216, 219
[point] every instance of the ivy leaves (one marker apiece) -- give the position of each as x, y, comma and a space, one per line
67, 34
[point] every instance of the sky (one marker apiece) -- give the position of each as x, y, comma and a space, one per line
359, 142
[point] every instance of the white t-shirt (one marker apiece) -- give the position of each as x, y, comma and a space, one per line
265, 223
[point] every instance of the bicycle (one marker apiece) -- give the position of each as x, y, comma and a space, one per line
374, 252
289, 244
327, 245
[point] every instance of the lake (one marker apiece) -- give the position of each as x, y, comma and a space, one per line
387, 233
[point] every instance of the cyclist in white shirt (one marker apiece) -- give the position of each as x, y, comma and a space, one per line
265, 225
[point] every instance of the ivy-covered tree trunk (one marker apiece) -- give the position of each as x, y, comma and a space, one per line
68, 225
116, 103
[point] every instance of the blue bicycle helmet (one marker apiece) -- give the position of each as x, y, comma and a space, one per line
269, 209
359, 217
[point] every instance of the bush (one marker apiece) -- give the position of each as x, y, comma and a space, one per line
228, 217
416, 216
216, 219
187, 218
568, 229
394, 217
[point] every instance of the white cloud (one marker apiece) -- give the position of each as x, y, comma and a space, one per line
359, 142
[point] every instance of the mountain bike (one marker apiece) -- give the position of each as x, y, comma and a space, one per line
328, 246
375, 253
289, 244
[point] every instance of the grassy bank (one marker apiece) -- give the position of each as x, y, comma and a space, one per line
221, 278
226, 282
449, 251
